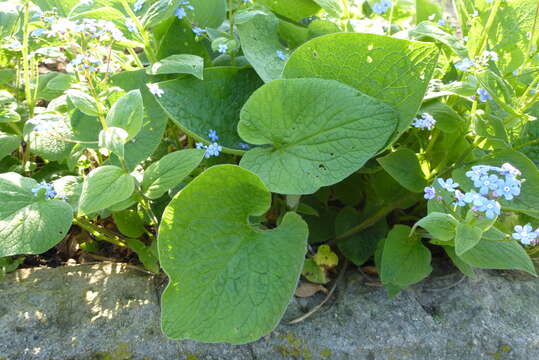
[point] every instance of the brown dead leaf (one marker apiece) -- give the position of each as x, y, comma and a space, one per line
307, 289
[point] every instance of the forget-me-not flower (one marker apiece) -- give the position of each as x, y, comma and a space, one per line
198, 31
484, 96
155, 89
525, 234
448, 184
214, 149
430, 193
281, 55
212, 134
49, 190
222, 48
426, 121
464, 64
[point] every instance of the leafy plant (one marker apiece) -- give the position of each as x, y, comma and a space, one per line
304, 135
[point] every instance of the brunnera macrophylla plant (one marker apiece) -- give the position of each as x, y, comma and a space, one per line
238, 145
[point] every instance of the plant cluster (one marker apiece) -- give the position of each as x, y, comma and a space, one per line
240, 144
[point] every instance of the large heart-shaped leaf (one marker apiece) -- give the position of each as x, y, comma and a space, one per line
229, 280
198, 106
393, 70
316, 132
29, 224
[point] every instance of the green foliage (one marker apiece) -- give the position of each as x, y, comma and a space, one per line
404, 167
326, 139
127, 113
217, 260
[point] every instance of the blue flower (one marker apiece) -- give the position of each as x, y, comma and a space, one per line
491, 208
508, 169
198, 31
381, 7
49, 190
441, 22
525, 234
244, 146
484, 96
212, 134
223, 48
214, 149
425, 122
486, 183
200, 145
430, 193
473, 198
155, 89
37, 32
508, 189
464, 64
448, 184
477, 172
180, 13
130, 24
459, 196
138, 5
281, 55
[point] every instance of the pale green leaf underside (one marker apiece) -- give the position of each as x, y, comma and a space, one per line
316, 133
179, 64
104, 187
393, 70
197, 106
29, 225
229, 281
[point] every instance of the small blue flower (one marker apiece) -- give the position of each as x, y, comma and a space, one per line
198, 31
508, 169
441, 22
484, 96
37, 32
525, 234
430, 193
473, 198
459, 196
487, 183
180, 13
381, 7
223, 48
508, 189
155, 89
426, 121
244, 146
200, 145
130, 24
448, 184
491, 208
281, 55
48, 19
49, 190
214, 149
138, 5
212, 134
477, 172
464, 64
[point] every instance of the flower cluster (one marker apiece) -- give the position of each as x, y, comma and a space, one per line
83, 62
426, 121
199, 31
490, 182
181, 10
214, 149
484, 96
50, 193
381, 7
102, 30
479, 63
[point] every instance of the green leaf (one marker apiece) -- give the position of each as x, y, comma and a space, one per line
154, 123
393, 70
9, 15
8, 144
217, 260
447, 119
208, 13
104, 187
528, 199
405, 260
430, 30
176, 37
465, 268
179, 64
504, 255
129, 223
113, 139
158, 12
127, 113
425, 9
49, 143
145, 255
403, 165
333, 7
314, 143
197, 106
169, 171
314, 273
466, 237
82, 101
294, 10
29, 224
359, 247
260, 43
440, 225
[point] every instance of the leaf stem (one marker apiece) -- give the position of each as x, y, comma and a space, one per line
99, 232
486, 30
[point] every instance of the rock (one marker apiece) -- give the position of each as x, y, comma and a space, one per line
111, 312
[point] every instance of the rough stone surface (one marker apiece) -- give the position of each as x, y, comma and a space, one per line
112, 312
